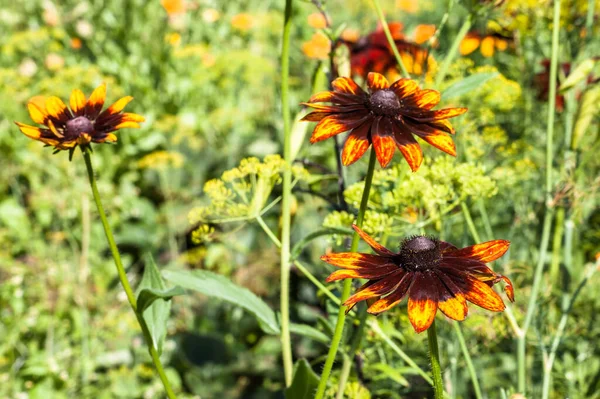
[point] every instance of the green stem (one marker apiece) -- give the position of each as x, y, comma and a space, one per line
548, 364
469, 220
388, 35
470, 367
556, 245
436, 369
286, 214
339, 327
354, 345
464, 29
123, 276
549, 204
485, 218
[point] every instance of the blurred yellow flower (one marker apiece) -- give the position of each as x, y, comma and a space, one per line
318, 47
208, 59
317, 20
350, 35
487, 44
174, 39
409, 6
242, 22
54, 62
173, 6
161, 160
210, 15
423, 32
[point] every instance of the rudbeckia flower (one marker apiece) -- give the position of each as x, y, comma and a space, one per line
432, 273
84, 122
387, 116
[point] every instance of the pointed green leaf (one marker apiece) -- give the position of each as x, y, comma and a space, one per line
217, 286
467, 84
309, 332
155, 309
581, 73
305, 382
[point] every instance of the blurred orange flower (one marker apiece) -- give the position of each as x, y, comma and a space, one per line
487, 44
64, 128
76, 43
317, 20
242, 22
432, 273
318, 47
423, 33
387, 117
173, 6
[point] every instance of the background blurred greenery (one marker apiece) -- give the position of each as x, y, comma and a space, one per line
206, 78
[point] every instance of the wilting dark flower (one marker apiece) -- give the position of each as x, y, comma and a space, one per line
82, 123
387, 117
432, 273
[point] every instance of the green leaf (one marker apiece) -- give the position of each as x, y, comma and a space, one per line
154, 303
309, 332
304, 383
588, 108
580, 73
217, 286
147, 296
316, 234
467, 84
298, 134
390, 372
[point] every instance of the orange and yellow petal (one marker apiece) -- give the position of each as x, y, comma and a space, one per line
380, 249
377, 273
477, 292
336, 98
57, 109
376, 81
408, 146
119, 105
355, 260
346, 85
377, 288
356, 144
426, 99
127, 124
96, 101
110, 137
334, 124
437, 139
422, 302
77, 102
30, 131
394, 298
382, 137
37, 114
484, 252
450, 300
315, 116
404, 87
432, 116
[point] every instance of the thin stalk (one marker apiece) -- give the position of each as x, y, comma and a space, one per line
436, 369
556, 245
470, 367
464, 29
469, 220
549, 205
354, 345
485, 218
123, 276
388, 35
286, 215
339, 327
589, 20
548, 364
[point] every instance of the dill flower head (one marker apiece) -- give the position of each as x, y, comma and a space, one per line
388, 116
82, 123
432, 273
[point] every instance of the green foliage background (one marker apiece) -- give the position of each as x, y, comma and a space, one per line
209, 92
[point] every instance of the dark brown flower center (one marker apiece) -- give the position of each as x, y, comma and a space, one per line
419, 253
78, 125
384, 102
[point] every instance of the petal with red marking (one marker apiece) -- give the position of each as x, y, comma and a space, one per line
356, 260
484, 252
57, 109
426, 99
356, 144
422, 302
346, 85
383, 140
332, 125
438, 139
404, 87
476, 291
77, 102
96, 101
376, 81
378, 288
451, 301
380, 249
372, 273
408, 146
394, 298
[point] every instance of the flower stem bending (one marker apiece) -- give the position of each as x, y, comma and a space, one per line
339, 327
286, 215
123, 275
436, 369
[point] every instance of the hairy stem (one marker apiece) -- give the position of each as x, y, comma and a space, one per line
286, 214
436, 369
123, 276
339, 327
